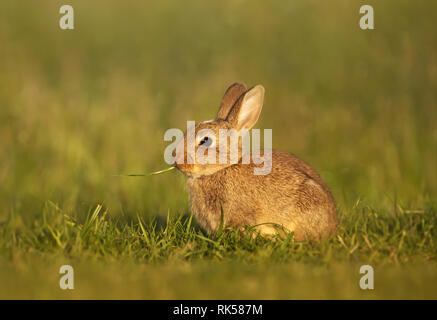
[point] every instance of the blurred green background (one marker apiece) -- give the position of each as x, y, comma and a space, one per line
78, 106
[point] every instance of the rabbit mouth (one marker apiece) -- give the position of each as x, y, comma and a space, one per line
197, 170
185, 168
189, 171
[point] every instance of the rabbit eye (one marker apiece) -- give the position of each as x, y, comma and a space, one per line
205, 141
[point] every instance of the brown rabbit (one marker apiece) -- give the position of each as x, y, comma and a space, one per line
292, 197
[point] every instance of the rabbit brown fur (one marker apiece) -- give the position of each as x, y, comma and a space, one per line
291, 198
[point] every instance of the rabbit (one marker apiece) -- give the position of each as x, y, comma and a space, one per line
291, 198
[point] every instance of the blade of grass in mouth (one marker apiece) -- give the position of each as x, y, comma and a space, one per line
144, 175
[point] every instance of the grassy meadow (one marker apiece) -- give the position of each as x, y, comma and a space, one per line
80, 106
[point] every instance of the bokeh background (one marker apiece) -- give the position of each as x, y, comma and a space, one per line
78, 106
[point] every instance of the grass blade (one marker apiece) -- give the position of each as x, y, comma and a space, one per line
145, 175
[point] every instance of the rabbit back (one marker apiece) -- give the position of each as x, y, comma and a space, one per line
292, 197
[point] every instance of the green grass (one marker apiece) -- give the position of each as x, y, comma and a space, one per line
79, 107
184, 262
365, 237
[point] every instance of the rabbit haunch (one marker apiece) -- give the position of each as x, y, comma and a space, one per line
291, 197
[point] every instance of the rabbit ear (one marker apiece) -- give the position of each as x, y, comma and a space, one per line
231, 96
247, 109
